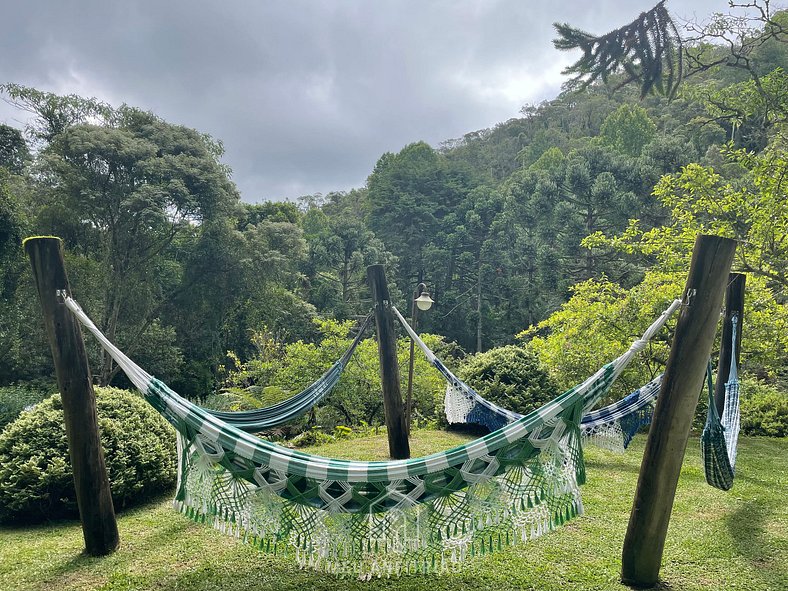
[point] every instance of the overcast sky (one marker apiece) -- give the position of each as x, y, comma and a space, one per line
306, 96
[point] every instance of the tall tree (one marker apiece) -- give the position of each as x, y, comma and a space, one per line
14, 153
341, 247
409, 196
122, 191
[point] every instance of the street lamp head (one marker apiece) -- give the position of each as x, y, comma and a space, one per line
424, 301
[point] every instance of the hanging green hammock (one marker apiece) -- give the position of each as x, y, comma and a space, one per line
381, 518
260, 419
720, 436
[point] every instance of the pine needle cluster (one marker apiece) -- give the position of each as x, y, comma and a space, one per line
648, 51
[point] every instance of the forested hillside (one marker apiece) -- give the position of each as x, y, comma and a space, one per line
504, 226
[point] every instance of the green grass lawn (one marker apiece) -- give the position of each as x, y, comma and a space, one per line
717, 540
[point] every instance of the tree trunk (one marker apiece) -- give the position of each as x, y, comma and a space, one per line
399, 447
676, 403
91, 484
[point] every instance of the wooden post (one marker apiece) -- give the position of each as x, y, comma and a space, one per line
411, 362
399, 448
678, 397
414, 311
94, 499
734, 304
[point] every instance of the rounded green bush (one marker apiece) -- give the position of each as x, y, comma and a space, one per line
509, 376
764, 409
35, 472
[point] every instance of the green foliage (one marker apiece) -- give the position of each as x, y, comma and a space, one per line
341, 246
751, 111
14, 154
16, 398
36, 482
511, 377
313, 436
764, 409
279, 370
751, 210
598, 323
628, 130
648, 50
409, 195
53, 114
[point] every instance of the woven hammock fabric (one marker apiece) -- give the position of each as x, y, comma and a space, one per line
254, 421
381, 518
720, 437
611, 427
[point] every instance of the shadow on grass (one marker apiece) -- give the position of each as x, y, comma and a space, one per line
747, 530
14, 525
147, 546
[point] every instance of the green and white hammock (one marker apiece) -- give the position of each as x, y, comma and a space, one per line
381, 518
721, 435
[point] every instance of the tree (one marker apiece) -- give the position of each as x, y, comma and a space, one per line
234, 281
409, 195
14, 153
278, 370
119, 185
628, 130
750, 209
651, 52
341, 246
648, 50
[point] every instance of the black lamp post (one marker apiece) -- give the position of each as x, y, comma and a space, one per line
421, 301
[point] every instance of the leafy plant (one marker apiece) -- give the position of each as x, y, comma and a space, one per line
279, 370
16, 398
511, 377
36, 481
764, 409
314, 436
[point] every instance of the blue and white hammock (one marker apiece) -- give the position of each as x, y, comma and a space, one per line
611, 427
721, 435
260, 419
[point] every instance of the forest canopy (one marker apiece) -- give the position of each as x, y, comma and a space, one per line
579, 213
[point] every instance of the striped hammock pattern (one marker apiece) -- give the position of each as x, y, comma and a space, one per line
254, 421
611, 427
720, 436
381, 518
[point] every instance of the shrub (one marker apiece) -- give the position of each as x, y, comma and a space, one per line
313, 436
509, 376
15, 399
764, 409
278, 371
35, 473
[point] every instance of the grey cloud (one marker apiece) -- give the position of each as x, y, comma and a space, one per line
305, 95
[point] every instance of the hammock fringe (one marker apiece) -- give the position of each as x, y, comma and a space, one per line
367, 519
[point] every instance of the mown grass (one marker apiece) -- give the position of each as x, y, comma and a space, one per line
717, 540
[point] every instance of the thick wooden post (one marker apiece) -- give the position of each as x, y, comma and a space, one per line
399, 448
734, 304
678, 397
94, 499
